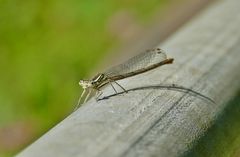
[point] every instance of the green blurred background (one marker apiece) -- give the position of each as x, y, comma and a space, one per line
46, 46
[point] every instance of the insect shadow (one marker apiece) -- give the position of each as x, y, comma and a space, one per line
172, 87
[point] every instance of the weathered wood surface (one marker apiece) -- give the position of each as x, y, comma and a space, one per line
159, 122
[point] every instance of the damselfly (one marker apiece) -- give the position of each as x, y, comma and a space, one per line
141, 63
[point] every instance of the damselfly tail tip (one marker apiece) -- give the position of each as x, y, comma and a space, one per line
169, 61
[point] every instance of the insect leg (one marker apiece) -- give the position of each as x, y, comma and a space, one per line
120, 86
110, 80
98, 94
87, 97
79, 100
113, 86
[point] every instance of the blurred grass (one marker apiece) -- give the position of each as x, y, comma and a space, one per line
46, 46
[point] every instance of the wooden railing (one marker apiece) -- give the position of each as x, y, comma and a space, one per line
159, 121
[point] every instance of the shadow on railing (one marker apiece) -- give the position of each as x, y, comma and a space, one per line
173, 87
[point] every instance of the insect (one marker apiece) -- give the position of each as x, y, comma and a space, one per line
141, 63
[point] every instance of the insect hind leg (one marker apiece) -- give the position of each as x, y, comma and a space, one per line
113, 87
120, 86
110, 81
